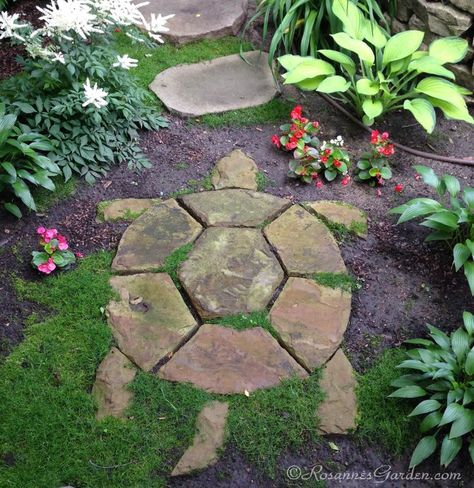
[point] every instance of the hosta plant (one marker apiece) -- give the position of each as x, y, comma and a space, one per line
373, 167
55, 253
23, 163
376, 74
442, 377
451, 219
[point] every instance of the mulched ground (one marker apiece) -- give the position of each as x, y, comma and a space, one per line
405, 282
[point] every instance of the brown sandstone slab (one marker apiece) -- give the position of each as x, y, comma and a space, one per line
234, 208
110, 390
151, 319
230, 271
304, 243
149, 240
311, 320
236, 170
124, 208
224, 360
209, 438
338, 411
341, 213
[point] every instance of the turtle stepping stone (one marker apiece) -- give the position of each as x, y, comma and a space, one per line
227, 83
234, 208
230, 271
224, 360
305, 245
151, 319
197, 19
154, 236
310, 320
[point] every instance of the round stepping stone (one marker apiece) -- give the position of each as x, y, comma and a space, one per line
223, 360
223, 84
209, 439
341, 213
154, 236
236, 170
230, 271
304, 243
124, 209
151, 319
338, 411
310, 320
197, 19
110, 390
234, 208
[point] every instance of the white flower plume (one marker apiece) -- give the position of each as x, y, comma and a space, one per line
157, 25
94, 95
59, 57
125, 62
8, 26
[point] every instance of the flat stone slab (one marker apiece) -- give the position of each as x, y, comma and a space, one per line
304, 243
110, 390
209, 438
124, 208
197, 19
234, 208
311, 320
341, 213
223, 84
230, 271
338, 411
151, 319
150, 239
236, 170
224, 360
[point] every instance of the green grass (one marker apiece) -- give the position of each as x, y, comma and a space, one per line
384, 420
194, 185
45, 199
248, 321
337, 280
48, 426
173, 261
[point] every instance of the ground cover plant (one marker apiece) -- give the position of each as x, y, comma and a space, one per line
55, 254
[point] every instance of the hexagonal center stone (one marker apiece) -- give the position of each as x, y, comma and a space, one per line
230, 271
223, 360
234, 208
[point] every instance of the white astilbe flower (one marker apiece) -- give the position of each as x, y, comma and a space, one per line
59, 57
157, 26
62, 16
8, 26
94, 95
125, 62
122, 12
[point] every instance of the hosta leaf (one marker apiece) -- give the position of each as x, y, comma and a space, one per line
22, 191
428, 175
469, 364
420, 342
351, 17
13, 209
343, 59
426, 406
402, 45
448, 49
430, 421
452, 412
374, 34
446, 218
440, 89
452, 111
449, 449
408, 392
311, 83
364, 86
424, 449
432, 66
461, 254
290, 62
469, 273
440, 337
452, 185
423, 111
460, 343
359, 47
462, 425
468, 196
417, 210
468, 319
9, 168
372, 108
309, 69
333, 84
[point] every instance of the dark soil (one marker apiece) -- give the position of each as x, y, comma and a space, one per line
405, 282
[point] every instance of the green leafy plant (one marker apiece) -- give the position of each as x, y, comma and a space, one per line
55, 254
376, 74
444, 377
23, 162
451, 220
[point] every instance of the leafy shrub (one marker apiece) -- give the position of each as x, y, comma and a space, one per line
451, 220
373, 166
444, 372
55, 254
388, 73
23, 162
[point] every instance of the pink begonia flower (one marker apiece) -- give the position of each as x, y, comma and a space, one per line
51, 265
78, 254
47, 267
50, 234
40, 230
62, 243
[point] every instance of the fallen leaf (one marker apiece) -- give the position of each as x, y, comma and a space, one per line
333, 446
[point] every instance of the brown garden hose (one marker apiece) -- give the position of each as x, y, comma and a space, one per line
415, 152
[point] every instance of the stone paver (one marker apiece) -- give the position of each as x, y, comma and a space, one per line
209, 438
223, 84
311, 320
338, 411
110, 390
151, 319
224, 360
236, 170
197, 19
230, 271
154, 236
341, 213
234, 208
124, 208
304, 243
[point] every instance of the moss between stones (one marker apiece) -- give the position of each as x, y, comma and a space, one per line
128, 215
337, 280
194, 185
173, 261
263, 181
247, 321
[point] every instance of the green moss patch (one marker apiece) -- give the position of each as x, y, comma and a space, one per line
337, 280
247, 321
